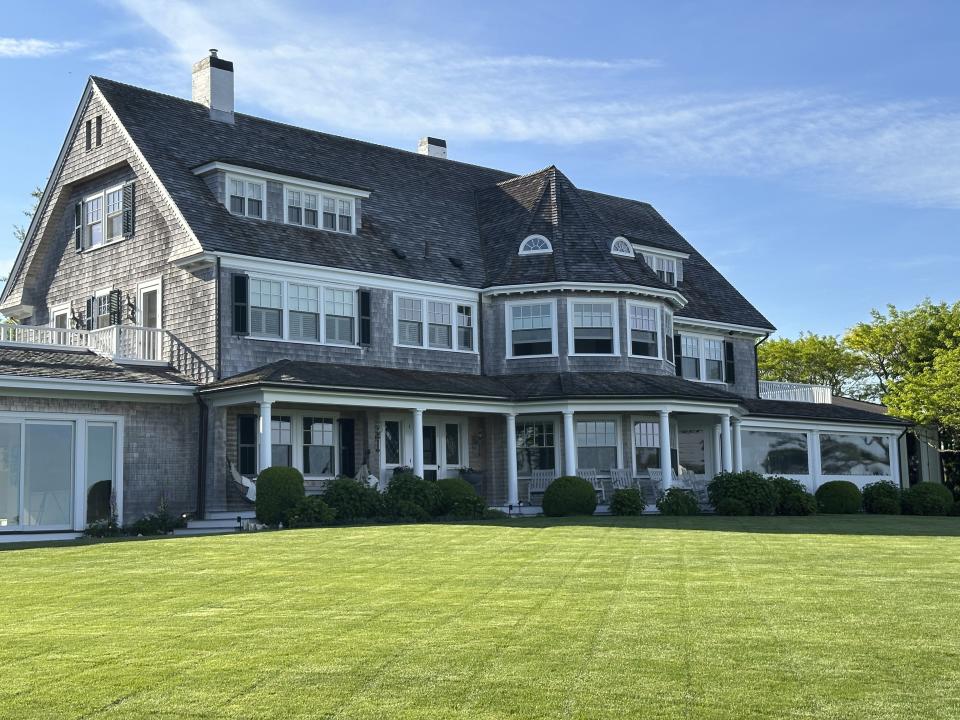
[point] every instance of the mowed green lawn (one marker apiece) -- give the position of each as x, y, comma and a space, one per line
829, 617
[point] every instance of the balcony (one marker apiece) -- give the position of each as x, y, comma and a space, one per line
795, 392
120, 343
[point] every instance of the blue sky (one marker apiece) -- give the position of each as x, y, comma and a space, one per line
810, 151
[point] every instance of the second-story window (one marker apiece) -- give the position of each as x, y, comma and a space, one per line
664, 267
703, 358
93, 227
303, 306
294, 207
246, 197
713, 359
339, 313
266, 308
465, 327
593, 328
643, 330
345, 215
329, 213
114, 214
310, 210
441, 329
409, 321
434, 324
690, 357
531, 330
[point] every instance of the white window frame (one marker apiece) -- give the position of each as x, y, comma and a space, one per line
703, 358
296, 436
323, 315
60, 309
622, 247
85, 245
531, 239
658, 310
557, 437
145, 287
652, 419
615, 314
320, 195
283, 309
617, 434
508, 326
653, 260
248, 180
425, 301
101, 293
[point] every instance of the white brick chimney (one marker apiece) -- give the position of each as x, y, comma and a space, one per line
434, 147
213, 86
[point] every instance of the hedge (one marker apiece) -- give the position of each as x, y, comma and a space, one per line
881, 498
928, 498
569, 495
839, 497
742, 493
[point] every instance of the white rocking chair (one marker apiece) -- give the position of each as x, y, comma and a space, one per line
538, 483
249, 485
621, 479
590, 475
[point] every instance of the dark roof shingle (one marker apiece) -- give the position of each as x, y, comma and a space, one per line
81, 365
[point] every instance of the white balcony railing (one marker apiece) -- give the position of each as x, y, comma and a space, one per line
130, 343
795, 392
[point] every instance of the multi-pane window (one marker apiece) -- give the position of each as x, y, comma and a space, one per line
664, 267
294, 207
668, 335
452, 443
246, 198
339, 316
713, 359
281, 441
690, 357
536, 447
702, 358
310, 210
329, 213
303, 306
593, 332
465, 327
345, 215
266, 307
535, 245
531, 329
93, 225
102, 311
643, 330
114, 214
302, 208
646, 445
409, 321
318, 446
597, 444
440, 328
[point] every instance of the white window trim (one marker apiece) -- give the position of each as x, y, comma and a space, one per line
508, 325
702, 358
618, 436
296, 436
246, 197
61, 309
557, 438
659, 312
321, 306
629, 251
663, 256
444, 470
302, 189
616, 326
545, 251
654, 419
102, 194
425, 301
145, 287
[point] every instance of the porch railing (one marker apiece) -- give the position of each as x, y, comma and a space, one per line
47, 336
117, 342
795, 392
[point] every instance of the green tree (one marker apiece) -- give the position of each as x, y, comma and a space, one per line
20, 231
813, 359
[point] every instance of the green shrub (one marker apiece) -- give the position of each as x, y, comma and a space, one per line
677, 501
955, 510
279, 491
881, 498
839, 497
752, 490
494, 514
569, 495
352, 500
792, 497
158, 523
458, 499
399, 509
627, 501
104, 528
407, 486
928, 498
311, 511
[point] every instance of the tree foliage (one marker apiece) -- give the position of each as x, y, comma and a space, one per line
814, 359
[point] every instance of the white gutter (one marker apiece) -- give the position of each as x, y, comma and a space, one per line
19, 382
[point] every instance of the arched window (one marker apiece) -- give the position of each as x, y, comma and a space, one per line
535, 245
621, 246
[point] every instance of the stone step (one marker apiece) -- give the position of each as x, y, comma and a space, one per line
230, 515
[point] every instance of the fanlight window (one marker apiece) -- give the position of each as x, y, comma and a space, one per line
535, 245
621, 246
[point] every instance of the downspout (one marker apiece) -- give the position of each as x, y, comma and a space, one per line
202, 458
219, 319
756, 360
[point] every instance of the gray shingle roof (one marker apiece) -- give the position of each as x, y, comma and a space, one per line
817, 411
81, 365
430, 209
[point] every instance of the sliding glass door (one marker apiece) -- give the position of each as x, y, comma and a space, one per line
48, 460
10, 445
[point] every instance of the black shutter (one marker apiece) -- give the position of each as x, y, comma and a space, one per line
129, 214
676, 354
89, 135
99, 130
78, 226
730, 370
115, 306
241, 308
91, 303
364, 301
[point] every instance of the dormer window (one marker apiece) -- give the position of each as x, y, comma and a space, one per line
246, 197
536, 245
664, 267
622, 247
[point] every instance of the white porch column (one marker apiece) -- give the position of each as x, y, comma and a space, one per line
717, 457
726, 443
569, 444
737, 447
813, 450
666, 469
513, 494
418, 442
264, 438
896, 473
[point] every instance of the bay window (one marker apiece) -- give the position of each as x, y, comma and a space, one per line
668, 336
338, 307
531, 330
596, 444
303, 305
644, 326
594, 328
266, 308
536, 447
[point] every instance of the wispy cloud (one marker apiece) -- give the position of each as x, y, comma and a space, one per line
33, 48
395, 88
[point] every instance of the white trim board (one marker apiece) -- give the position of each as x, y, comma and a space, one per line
277, 177
30, 385
673, 295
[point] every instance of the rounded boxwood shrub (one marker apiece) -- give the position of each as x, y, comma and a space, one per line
569, 495
458, 499
752, 491
792, 497
627, 501
311, 511
403, 510
928, 498
677, 501
882, 498
410, 487
839, 497
352, 500
279, 490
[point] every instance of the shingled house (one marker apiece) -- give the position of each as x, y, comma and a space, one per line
204, 293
